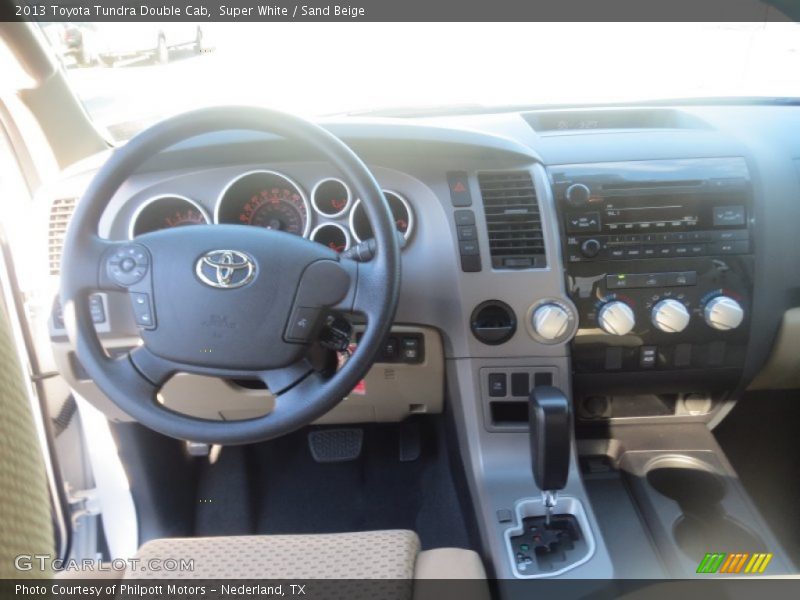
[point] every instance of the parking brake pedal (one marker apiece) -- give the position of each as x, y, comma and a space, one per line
336, 445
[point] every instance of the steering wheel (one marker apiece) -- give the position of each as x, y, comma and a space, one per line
230, 301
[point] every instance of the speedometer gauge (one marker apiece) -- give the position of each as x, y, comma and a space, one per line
265, 199
276, 208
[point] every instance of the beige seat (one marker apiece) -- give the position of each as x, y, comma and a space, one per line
392, 554
26, 527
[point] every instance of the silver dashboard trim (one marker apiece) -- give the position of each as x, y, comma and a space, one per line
314, 199
342, 228
411, 217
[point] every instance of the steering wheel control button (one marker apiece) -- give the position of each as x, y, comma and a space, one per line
128, 265
458, 182
143, 310
302, 325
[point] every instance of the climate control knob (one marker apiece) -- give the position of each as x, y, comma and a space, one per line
670, 316
550, 321
723, 313
616, 318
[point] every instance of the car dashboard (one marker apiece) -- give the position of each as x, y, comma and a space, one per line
641, 259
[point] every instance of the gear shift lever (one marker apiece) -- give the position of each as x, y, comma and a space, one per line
550, 423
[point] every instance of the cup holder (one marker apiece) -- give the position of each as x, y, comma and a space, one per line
695, 488
704, 525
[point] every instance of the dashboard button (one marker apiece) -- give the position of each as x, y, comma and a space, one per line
471, 263
729, 236
411, 349
649, 251
520, 384
633, 252
467, 232
458, 182
616, 253
680, 279
498, 385
469, 248
583, 222
464, 217
726, 216
647, 357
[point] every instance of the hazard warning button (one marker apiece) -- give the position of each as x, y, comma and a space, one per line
459, 188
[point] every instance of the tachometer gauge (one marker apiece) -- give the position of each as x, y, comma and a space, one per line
265, 199
163, 212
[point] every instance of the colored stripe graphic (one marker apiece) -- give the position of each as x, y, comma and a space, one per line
722, 562
711, 562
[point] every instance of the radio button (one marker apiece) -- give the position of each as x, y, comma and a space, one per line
681, 250
728, 215
649, 251
591, 248
583, 222
728, 236
616, 253
633, 252
664, 251
697, 249
737, 247
578, 194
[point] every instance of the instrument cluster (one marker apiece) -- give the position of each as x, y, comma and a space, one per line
330, 214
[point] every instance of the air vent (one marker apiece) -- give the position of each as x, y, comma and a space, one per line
60, 213
513, 220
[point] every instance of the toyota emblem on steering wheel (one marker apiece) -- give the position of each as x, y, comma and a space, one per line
226, 269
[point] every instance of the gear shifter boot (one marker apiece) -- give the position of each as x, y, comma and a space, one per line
550, 437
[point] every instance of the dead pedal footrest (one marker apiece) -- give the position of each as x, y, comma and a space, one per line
336, 445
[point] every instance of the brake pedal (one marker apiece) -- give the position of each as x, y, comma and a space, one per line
336, 445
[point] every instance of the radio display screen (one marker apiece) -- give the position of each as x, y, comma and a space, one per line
658, 212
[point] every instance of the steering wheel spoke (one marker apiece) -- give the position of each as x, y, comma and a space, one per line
278, 381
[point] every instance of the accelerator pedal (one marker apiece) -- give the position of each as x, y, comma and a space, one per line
336, 445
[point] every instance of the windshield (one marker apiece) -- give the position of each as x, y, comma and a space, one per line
129, 75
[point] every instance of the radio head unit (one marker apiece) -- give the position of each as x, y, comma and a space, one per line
654, 209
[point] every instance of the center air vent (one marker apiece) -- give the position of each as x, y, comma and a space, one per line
60, 213
513, 220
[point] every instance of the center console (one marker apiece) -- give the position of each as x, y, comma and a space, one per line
659, 263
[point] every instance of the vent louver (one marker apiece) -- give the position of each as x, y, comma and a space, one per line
60, 213
513, 220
